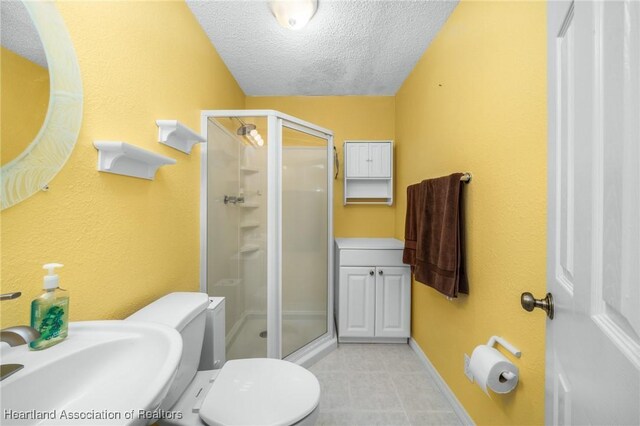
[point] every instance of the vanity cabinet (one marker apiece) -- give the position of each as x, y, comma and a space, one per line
368, 176
373, 294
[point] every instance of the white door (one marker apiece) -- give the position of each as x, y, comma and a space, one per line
380, 160
357, 302
393, 300
357, 160
593, 343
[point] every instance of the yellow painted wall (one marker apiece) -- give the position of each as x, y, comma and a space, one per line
350, 117
476, 102
24, 99
124, 241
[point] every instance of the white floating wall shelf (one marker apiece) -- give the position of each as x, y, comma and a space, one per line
178, 136
124, 159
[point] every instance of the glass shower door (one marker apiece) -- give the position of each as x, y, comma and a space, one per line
305, 238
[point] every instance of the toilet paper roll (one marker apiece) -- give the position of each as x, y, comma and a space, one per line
492, 370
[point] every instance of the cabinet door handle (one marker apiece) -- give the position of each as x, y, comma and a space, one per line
380, 272
371, 272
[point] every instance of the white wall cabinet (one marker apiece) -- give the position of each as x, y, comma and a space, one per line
373, 291
380, 160
368, 177
357, 165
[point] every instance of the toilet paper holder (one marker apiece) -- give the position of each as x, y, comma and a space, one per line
508, 346
507, 375
490, 369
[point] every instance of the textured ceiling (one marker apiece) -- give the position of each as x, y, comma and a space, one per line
18, 34
350, 47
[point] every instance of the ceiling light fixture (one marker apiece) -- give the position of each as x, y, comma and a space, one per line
293, 14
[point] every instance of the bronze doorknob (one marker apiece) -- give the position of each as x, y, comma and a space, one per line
529, 303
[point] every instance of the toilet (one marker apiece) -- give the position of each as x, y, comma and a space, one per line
257, 391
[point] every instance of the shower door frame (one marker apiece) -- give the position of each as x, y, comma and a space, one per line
276, 120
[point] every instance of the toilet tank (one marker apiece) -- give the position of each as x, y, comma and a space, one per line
186, 312
213, 348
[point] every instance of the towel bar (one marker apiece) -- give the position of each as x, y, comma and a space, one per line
466, 177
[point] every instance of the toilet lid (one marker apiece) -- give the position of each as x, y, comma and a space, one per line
260, 391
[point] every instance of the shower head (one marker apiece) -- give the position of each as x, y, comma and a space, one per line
245, 129
250, 132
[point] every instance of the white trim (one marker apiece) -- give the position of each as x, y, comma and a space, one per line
462, 414
313, 352
274, 238
204, 118
263, 113
304, 129
391, 340
330, 242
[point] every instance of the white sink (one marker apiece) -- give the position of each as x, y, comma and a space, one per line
118, 369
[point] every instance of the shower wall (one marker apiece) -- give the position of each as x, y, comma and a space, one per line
236, 237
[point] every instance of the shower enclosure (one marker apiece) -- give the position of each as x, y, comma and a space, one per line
266, 232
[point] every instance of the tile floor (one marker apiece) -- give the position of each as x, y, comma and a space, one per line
379, 384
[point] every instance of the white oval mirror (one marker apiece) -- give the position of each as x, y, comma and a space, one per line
41, 98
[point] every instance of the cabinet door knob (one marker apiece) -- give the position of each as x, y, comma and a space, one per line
380, 272
371, 272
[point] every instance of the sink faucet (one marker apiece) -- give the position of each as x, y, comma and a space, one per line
18, 335
9, 296
15, 336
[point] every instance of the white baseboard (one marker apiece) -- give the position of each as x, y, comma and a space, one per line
373, 340
462, 414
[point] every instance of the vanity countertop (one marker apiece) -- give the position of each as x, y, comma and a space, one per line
369, 244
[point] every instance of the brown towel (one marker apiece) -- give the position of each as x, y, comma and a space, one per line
435, 229
414, 206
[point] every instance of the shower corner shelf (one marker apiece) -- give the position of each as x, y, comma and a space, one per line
129, 160
249, 225
249, 170
245, 250
178, 136
249, 248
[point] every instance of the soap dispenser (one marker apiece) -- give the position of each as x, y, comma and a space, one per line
50, 311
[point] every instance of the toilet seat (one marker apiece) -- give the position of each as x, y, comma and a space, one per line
260, 391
